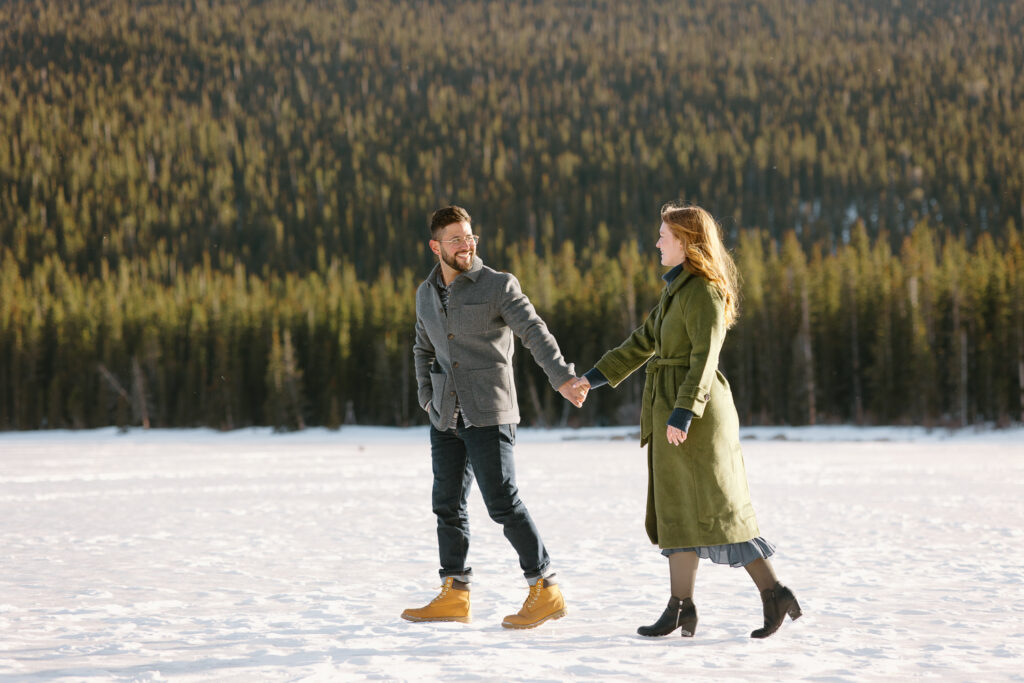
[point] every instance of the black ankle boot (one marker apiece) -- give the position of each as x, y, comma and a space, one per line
678, 614
778, 602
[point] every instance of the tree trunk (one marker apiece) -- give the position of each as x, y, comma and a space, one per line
139, 393
960, 335
112, 381
406, 382
858, 400
1020, 379
963, 378
808, 355
1020, 357
538, 407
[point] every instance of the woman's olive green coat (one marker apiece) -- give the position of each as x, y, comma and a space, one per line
697, 492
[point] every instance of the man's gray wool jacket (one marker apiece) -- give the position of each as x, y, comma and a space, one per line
468, 352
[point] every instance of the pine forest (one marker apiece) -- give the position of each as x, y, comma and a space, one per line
215, 213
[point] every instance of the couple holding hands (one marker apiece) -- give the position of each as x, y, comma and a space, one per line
698, 504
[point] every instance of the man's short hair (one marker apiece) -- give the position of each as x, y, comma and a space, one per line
442, 218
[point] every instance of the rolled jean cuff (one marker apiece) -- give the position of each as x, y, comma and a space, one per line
465, 576
542, 573
546, 573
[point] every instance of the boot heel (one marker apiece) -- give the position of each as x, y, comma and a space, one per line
681, 614
778, 601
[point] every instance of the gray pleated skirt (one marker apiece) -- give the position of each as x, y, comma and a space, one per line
732, 554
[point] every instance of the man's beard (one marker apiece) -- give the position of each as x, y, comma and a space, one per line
455, 264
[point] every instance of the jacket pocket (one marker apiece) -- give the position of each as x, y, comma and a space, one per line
477, 318
491, 389
437, 382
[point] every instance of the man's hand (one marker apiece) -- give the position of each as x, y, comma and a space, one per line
574, 392
676, 437
582, 387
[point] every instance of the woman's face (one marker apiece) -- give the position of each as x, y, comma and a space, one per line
672, 252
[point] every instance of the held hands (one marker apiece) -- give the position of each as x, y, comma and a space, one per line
582, 387
575, 391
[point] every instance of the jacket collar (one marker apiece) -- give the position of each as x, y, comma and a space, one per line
672, 274
473, 273
676, 283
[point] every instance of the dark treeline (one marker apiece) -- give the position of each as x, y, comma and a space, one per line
281, 134
214, 212
932, 334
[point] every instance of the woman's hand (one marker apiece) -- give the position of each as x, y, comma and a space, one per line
676, 437
574, 391
582, 387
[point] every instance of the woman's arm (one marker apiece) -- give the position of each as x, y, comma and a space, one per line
704, 320
619, 363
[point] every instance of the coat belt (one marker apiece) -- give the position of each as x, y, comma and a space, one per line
655, 363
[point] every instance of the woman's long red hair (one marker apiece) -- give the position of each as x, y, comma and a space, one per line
706, 254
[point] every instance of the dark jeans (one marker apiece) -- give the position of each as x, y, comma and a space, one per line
486, 452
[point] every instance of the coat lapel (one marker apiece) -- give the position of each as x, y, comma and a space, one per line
666, 296
432, 281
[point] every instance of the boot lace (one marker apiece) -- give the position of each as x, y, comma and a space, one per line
534, 595
445, 587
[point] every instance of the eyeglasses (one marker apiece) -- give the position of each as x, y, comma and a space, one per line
459, 241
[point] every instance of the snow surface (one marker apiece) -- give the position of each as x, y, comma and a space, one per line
250, 556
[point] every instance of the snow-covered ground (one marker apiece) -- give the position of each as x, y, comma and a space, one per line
251, 556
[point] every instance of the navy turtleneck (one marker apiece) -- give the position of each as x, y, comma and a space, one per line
672, 274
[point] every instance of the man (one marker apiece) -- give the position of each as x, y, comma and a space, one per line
466, 314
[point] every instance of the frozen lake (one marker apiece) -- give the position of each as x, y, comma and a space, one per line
200, 556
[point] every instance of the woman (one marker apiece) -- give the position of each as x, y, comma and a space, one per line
698, 504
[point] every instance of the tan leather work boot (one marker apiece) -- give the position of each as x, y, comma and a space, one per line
544, 602
451, 604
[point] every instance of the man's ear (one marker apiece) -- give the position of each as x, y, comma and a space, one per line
435, 247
